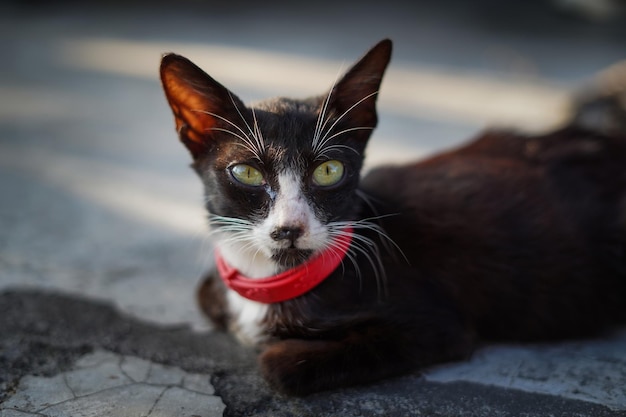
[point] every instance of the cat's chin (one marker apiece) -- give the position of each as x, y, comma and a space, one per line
289, 258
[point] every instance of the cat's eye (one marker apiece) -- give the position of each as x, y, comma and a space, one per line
247, 175
328, 173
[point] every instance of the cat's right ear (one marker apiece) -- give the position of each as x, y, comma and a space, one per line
202, 107
353, 98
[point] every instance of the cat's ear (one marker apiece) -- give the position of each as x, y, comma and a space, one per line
355, 94
202, 107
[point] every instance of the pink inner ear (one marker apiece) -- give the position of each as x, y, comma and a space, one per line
198, 123
190, 109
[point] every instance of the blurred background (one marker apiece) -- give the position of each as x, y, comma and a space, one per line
96, 196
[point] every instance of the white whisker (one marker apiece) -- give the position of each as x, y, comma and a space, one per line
367, 248
220, 129
336, 248
390, 245
346, 131
243, 119
258, 136
223, 119
246, 142
321, 121
229, 223
242, 135
321, 142
324, 152
255, 133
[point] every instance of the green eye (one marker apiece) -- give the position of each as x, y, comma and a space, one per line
328, 173
247, 175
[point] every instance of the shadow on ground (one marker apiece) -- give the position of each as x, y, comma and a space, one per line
46, 333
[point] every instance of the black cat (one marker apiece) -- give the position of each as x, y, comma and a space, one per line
341, 280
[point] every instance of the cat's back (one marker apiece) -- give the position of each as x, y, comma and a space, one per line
489, 172
500, 169
558, 190
507, 222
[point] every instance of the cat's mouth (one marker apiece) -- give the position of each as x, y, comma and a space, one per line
291, 257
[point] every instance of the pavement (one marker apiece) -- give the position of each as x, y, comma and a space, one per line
102, 234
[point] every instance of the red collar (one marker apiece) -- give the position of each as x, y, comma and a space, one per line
291, 283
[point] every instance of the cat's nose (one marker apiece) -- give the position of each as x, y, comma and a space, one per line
287, 233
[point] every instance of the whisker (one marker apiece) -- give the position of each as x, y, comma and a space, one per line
338, 119
229, 223
361, 245
346, 131
336, 248
320, 117
246, 141
259, 143
324, 154
322, 146
236, 232
243, 119
252, 150
258, 136
220, 129
369, 250
387, 241
242, 135
322, 114
223, 119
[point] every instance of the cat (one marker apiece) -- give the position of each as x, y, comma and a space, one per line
340, 280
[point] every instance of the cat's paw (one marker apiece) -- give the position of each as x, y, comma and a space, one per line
300, 367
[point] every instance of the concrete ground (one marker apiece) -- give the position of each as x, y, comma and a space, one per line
102, 234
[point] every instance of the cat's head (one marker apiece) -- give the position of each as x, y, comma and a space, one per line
280, 177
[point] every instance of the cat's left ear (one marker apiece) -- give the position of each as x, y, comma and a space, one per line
355, 94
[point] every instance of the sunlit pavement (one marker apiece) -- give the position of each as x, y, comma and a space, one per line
102, 234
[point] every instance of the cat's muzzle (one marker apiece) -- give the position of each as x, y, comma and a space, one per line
291, 257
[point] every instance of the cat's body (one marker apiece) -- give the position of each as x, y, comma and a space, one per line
511, 236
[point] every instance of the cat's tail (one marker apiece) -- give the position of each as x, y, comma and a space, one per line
601, 106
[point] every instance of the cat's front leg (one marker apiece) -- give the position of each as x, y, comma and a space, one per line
303, 366
212, 300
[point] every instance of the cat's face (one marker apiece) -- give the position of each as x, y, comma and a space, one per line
280, 177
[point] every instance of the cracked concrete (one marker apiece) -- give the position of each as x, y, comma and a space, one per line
64, 356
104, 383
102, 232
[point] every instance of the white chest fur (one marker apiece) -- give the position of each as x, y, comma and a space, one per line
247, 317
